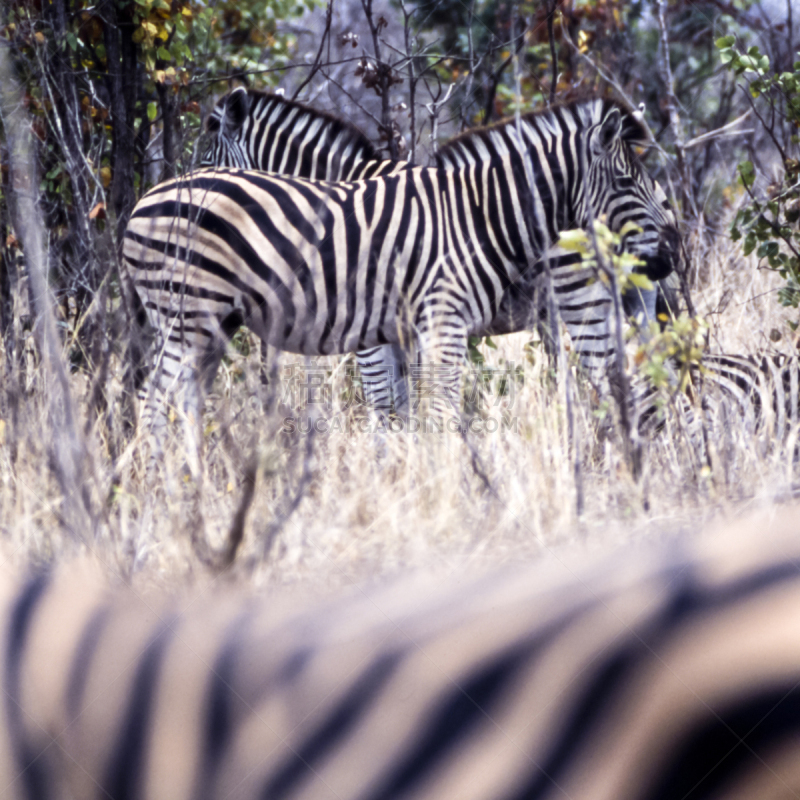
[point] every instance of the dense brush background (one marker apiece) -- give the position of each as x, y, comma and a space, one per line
102, 101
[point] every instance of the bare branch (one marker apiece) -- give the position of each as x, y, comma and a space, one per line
315, 67
69, 448
725, 130
412, 82
551, 12
672, 108
344, 91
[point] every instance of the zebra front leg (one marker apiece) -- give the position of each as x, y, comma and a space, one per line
437, 373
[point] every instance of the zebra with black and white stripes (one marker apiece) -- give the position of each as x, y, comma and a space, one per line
422, 256
257, 130
724, 393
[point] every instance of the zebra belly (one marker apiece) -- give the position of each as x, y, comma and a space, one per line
291, 333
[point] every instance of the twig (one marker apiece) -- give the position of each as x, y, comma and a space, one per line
315, 67
412, 83
768, 128
622, 96
69, 447
345, 92
434, 108
498, 74
725, 130
385, 78
672, 109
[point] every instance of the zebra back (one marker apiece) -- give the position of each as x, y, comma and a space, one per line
549, 124
268, 132
665, 672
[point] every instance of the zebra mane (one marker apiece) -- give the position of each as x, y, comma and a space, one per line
278, 107
581, 114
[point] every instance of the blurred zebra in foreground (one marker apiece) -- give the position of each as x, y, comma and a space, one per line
661, 672
420, 258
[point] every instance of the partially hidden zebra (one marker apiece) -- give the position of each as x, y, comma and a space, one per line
257, 130
669, 671
423, 257
726, 396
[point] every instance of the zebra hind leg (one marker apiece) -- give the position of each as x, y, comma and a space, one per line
384, 376
182, 375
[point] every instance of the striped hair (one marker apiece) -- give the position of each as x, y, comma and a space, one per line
666, 672
419, 258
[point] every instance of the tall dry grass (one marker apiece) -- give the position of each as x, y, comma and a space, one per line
271, 506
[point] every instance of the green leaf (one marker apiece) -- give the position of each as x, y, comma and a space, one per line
725, 41
164, 54
152, 111
767, 250
747, 173
576, 241
640, 281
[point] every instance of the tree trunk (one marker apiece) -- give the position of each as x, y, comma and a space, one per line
166, 100
121, 57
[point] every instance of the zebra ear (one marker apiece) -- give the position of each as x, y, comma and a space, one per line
237, 106
610, 129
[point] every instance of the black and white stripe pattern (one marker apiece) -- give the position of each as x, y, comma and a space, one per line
726, 395
661, 672
268, 132
257, 130
422, 256
253, 130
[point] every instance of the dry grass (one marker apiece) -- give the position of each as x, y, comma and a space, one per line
349, 505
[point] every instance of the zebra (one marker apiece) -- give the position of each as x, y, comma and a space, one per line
668, 672
423, 255
256, 130
251, 129
723, 393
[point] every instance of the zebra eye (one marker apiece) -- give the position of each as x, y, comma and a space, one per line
212, 124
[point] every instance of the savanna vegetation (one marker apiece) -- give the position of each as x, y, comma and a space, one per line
102, 101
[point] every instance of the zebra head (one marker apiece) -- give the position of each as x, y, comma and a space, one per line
226, 134
619, 190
